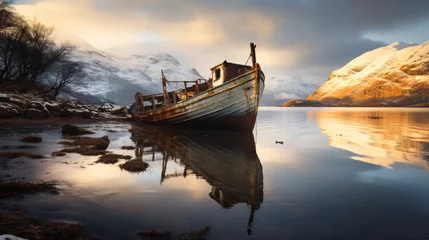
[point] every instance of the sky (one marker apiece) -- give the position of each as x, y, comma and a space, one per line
305, 38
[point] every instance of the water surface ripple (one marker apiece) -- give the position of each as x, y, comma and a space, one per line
304, 173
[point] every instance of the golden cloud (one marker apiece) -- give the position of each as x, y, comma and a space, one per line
198, 34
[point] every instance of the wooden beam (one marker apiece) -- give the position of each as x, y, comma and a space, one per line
142, 104
196, 87
137, 100
174, 97
253, 53
153, 102
164, 89
183, 81
186, 91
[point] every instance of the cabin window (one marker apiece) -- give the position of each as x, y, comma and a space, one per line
217, 74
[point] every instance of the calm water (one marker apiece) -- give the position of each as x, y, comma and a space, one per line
338, 174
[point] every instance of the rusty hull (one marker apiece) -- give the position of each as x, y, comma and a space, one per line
230, 106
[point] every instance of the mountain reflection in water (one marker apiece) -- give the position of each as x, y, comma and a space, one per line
341, 173
383, 138
227, 161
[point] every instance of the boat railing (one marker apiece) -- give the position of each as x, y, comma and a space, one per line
191, 88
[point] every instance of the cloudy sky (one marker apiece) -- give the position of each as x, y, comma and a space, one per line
306, 38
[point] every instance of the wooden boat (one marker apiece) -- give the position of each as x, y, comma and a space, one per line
227, 101
227, 161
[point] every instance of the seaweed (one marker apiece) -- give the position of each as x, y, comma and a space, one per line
134, 166
112, 158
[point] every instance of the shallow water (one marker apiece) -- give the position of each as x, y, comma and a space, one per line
360, 173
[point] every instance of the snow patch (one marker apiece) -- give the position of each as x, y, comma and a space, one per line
107, 76
399, 66
10, 237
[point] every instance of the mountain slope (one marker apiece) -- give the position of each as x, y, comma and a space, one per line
395, 75
106, 76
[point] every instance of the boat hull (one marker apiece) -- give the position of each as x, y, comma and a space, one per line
230, 106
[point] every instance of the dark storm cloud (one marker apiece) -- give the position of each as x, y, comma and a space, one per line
328, 32
332, 30
306, 37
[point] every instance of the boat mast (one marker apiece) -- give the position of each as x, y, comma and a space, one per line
253, 54
164, 88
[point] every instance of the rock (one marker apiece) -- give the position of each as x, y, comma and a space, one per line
112, 158
120, 111
63, 104
82, 113
93, 108
107, 107
8, 110
303, 103
19, 102
10, 237
99, 143
72, 130
10, 189
134, 166
13, 155
32, 139
58, 154
132, 108
86, 151
54, 108
39, 106
70, 105
128, 147
34, 113
4, 98
31, 228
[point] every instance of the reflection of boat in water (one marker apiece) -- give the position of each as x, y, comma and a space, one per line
227, 161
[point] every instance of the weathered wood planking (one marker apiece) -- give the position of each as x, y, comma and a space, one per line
232, 105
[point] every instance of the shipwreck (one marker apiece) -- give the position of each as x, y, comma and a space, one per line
229, 100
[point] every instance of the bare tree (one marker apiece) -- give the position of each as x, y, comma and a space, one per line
6, 14
27, 51
67, 73
14, 50
9, 36
44, 53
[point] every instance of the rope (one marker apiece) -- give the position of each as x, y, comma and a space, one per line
248, 59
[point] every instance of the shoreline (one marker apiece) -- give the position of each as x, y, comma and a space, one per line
366, 104
15, 217
56, 121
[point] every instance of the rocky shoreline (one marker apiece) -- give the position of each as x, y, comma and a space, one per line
16, 222
316, 103
37, 107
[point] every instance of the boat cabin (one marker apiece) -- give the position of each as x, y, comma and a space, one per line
226, 71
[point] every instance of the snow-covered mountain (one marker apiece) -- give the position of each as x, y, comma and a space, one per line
285, 89
395, 75
106, 76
